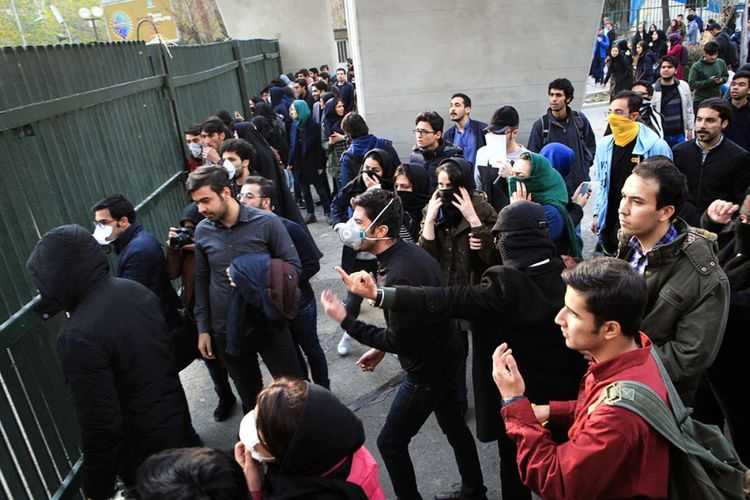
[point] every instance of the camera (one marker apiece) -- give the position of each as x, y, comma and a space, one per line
184, 236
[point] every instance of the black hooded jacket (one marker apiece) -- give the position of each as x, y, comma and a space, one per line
431, 158
415, 200
328, 432
114, 351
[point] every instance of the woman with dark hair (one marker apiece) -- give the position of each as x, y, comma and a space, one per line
412, 185
645, 61
311, 444
679, 52
307, 159
377, 171
457, 232
658, 43
535, 179
337, 140
620, 70
640, 33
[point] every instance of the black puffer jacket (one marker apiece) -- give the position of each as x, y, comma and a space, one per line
114, 351
431, 158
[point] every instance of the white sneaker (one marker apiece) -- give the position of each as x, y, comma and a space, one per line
345, 344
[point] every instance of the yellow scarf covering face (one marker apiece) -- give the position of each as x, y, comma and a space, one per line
624, 129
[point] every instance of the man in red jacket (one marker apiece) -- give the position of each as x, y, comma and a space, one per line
612, 452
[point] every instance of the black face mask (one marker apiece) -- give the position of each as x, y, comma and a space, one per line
451, 213
521, 249
741, 238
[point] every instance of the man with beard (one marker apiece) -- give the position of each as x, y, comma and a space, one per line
738, 130
516, 302
431, 361
466, 134
562, 124
230, 230
674, 102
716, 168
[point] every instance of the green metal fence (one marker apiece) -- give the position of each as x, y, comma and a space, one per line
628, 14
79, 122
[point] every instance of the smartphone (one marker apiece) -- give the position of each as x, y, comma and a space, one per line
584, 188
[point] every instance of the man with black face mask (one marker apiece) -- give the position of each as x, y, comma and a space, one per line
515, 303
430, 359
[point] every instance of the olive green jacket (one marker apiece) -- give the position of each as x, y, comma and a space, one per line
688, 303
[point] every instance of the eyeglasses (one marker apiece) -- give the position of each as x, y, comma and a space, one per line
249, 196
421, 131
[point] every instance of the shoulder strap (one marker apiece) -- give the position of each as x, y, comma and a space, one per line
578, 121
545, 129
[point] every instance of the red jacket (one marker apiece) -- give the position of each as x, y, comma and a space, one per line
612, 453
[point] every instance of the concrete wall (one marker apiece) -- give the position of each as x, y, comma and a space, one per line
304, 28
412, 56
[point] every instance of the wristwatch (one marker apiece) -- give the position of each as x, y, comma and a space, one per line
378, 300
507, 401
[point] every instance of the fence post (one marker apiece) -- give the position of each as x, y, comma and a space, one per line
169, 91
242, 81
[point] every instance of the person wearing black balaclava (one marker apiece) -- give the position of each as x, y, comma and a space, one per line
456, 231
515, 303
718, 401
412, 185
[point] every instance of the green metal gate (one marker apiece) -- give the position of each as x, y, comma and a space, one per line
77, 123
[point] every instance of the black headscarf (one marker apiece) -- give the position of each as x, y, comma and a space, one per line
415, 200
387, 163
660, 45
523, 240
451, 214
332, 121
327, 433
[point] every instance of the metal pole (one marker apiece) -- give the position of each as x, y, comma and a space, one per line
96, 33
18, 22
743, 35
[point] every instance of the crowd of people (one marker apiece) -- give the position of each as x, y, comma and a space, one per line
475, 238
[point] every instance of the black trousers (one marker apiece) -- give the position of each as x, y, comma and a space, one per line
276, 348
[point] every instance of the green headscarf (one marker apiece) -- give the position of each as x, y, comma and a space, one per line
547, 187
303, 113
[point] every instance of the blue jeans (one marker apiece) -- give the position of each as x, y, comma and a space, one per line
674, 140
304, 331
411, 407
320, 188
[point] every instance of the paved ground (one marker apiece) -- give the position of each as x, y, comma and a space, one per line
368, 394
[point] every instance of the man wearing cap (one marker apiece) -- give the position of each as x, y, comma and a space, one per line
616, 156
487, 169
519, 299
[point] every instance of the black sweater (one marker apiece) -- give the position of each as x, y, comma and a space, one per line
427, 343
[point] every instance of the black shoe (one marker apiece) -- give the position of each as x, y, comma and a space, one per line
463, 407
224, 409
451, 495
310, 219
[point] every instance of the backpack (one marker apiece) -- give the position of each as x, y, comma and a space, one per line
702, 463
545, 127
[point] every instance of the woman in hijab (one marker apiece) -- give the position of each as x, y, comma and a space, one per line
534, 179
646, 59
271, 127
457, 232
561, 158
311, 444
658, 43
412, 185
620, 70
307, 158
337, 140
678, 51
640, 33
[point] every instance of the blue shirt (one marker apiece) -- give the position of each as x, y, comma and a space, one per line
467, 141
639, 260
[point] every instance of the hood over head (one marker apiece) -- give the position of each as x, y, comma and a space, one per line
467, 172
327, 432
387, 162
521, 231
560, 156
64, 265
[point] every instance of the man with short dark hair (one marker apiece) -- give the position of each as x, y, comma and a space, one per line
563, 125
466, 134
738, 130
708, 75
356, 129
616, 155
300, 92
674, 101
259, 192
345, 90
140, 256
650, 116
237, 155
727, 49
213, 133
431, 149
610, 449
195, 147
231, 230
698, 19
688, 293
716, 168
430, 358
